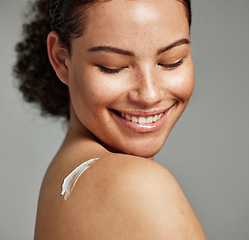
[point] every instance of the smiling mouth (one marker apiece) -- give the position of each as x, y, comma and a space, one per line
141, 119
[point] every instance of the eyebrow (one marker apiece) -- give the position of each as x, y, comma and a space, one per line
112, 50
172, 45
129, 53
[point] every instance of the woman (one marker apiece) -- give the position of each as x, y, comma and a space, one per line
128, 69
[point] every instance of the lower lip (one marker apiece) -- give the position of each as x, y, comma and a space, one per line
141, 128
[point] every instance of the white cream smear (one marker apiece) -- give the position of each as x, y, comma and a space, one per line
70, 181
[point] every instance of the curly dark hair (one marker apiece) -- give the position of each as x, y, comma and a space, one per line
36, 78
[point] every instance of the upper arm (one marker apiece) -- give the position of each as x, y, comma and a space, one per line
126, 200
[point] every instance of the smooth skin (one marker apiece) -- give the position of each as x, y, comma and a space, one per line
133, 58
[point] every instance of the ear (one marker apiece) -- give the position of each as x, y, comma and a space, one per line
58, 56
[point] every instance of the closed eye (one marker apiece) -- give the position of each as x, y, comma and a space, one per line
109, 70
171, 66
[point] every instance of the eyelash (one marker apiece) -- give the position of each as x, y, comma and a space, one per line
117, 70
171, 66
108, 70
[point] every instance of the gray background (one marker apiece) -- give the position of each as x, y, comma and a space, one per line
208, 150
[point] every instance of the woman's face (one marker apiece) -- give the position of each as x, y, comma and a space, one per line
131, 73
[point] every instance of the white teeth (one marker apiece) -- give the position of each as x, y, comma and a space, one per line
134, 119
142, 120
155, 118
127, 117
149, 119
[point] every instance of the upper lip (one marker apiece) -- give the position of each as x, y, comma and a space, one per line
144, 113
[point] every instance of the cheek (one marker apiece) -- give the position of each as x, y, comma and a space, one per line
95, 89
183, 83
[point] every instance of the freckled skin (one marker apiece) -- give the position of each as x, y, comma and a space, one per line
124, 195
143, 28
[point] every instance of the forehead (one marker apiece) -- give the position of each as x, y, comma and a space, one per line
128, 22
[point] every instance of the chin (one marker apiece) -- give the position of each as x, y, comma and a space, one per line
144, 146
144, 154
143, 151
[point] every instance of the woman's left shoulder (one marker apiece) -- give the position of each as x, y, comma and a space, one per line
144, 194
132, 168
123, 171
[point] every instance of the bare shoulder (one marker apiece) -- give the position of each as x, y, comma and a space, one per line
141, 199
124, 197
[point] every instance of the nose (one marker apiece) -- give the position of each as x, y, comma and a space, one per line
146, 88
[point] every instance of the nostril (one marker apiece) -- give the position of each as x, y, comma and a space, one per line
145, 97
